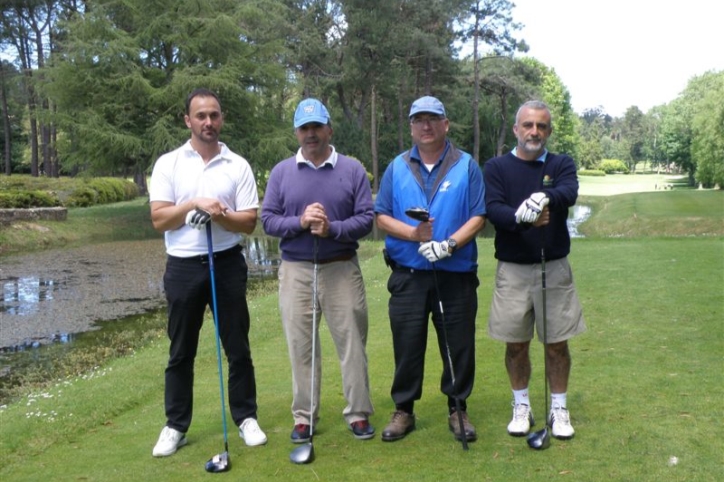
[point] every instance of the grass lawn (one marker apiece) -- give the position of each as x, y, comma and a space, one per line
627, 183
646, 385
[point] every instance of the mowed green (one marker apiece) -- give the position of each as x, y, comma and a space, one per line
645, 393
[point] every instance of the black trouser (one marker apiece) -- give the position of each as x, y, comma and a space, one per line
413, 298
188, 291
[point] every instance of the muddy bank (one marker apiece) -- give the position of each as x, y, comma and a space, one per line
51, 294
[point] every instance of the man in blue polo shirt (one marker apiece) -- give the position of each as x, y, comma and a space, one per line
434, 265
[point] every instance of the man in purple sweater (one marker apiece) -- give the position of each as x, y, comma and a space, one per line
527, 193
320, 204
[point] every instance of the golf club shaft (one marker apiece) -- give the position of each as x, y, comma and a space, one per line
463, 434
545, 325
314, 333
216, 329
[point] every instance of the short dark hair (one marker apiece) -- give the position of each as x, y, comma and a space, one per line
200, 92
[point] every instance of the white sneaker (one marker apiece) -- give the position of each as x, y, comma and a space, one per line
251, 433
169, 441
560, 421
522, 420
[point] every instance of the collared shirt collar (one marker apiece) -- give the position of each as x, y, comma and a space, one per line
542, 157
331, 160
415, 153
223, 150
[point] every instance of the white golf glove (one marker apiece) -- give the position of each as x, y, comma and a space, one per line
197, 218
434, 250
530, 210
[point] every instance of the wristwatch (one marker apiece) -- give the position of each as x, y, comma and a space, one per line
451, 245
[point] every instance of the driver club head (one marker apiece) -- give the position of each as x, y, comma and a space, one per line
219, 463
418, 214
540, 440
303, 454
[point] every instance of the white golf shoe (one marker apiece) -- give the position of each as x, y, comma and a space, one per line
560, 421
522, 420
252, 434
169, 441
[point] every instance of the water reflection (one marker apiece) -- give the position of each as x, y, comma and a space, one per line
576, 217
262, 256
20, 296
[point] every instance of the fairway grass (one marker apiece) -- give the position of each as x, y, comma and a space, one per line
646, 386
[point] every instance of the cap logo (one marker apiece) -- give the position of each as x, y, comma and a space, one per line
308, 109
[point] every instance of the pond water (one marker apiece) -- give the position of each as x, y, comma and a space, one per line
576, 216
49, 296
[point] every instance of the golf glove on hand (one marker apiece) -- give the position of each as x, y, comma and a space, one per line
434, 250
531, 208
197, 218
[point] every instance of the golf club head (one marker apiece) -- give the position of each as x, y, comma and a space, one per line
303, 454
219, 463
540, 440
418, 214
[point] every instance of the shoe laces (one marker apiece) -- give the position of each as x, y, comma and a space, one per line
398, 415
250, 426
170, 435
521, 412
360, 424
560, 415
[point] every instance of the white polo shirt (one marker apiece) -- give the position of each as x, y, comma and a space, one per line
181, 175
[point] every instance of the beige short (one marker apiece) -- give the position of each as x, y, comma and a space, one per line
517, 306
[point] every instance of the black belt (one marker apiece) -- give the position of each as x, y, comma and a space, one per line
204, 258
341, 257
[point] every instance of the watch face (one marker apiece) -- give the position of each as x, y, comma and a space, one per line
452, 244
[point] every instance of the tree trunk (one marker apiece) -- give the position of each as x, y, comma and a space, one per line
503, 123
373, 143
476, 90
6, 122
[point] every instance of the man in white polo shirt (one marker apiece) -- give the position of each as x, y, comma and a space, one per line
200, 182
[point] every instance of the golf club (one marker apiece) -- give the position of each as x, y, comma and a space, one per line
219, 462
423, 215
305, 453
541, 439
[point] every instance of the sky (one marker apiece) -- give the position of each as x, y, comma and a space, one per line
622, 53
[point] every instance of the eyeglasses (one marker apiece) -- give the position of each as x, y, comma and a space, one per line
420, 121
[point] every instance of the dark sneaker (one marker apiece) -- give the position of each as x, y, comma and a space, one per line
400, 425
454, 424
300, 434
362, 429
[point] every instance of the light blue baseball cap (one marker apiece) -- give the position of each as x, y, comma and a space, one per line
310, 110
429, 105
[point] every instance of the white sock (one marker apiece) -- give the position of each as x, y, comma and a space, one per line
558, 400
521, 396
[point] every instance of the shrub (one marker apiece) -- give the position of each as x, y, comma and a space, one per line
82, 197
28, 199
102, 190
591, 172
610, 166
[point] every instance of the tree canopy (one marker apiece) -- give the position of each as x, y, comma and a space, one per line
97, 87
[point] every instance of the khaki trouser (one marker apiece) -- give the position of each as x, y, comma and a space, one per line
341, 298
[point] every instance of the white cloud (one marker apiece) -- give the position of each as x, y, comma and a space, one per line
620, 53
